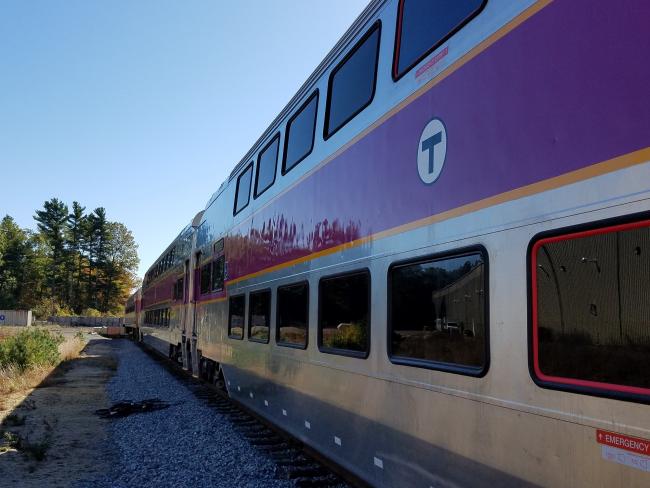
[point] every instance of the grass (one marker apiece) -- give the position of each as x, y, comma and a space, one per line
28, 357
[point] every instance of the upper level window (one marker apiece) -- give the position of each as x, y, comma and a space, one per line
423, 25
259, 316
243, 195
344, 314
218, 274
266, 164
352, 83
178, 289
438, 313
293, 313
236, 316
590, 310
301, 128
205, 278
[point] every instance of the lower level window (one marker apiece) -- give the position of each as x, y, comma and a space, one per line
236, 315
293, 312
259, 316
438, 312
344, 325
591, 309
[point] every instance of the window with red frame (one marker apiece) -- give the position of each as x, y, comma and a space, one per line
591, 309
423, 25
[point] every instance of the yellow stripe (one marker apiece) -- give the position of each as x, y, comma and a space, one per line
615, 164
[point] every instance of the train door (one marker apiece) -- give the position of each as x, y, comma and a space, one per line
185, 311
189, 347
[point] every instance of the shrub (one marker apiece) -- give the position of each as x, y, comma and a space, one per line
31, 347
91, 312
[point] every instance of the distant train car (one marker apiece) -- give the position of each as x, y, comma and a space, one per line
433, 266
132, 314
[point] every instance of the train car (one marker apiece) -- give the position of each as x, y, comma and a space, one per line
132, 314
433, 265
166, 304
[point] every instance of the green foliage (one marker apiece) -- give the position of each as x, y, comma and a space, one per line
91, 312
75, 261
351, 336
29, 348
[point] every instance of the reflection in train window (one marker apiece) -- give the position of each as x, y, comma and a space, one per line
591, 309
422, 26
259, 316
243, 194
236, 314
218, 274
266, 164
438, 313
344, 314
299, 139
352, 83
293, 311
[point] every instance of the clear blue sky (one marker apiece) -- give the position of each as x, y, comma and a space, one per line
119, 103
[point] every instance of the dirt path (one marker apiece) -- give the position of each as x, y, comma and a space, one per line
54, 427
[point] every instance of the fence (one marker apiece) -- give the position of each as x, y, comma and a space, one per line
88, 321
16, 317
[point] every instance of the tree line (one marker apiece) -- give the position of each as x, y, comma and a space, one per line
74, 263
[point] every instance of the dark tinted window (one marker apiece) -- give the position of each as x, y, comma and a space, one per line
344, 321
218, 274
178, 289
438, 313
293, 310
299, 140
352, 83
266, 163
243, 189
236, 314
259, 316
205, 278
592, 304
424, 24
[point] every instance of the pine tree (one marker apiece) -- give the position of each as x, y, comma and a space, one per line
52, 225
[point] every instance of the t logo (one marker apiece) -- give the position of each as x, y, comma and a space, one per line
432, 151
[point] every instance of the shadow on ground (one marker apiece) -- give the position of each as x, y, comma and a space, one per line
52, 437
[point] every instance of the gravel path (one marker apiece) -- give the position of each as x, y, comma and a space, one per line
187, 444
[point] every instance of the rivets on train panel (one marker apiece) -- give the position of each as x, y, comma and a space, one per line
239, 388
337, 440
284, 412
307, 424
266, 403
251, 395
379, 463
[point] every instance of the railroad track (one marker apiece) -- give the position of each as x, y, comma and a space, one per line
295, 460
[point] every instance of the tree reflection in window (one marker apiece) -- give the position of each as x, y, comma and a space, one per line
438, 311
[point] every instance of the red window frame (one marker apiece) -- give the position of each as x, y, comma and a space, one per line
585, 386
398, 39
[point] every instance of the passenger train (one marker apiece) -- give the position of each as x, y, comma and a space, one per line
433, 267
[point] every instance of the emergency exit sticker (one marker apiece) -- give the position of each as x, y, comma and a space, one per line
624, 449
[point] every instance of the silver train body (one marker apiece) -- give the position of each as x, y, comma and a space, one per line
502, 84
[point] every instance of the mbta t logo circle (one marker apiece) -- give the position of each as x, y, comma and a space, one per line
432, 151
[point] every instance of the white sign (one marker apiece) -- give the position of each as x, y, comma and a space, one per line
627, 458
432, 151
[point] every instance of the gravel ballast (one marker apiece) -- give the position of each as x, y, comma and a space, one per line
187, 444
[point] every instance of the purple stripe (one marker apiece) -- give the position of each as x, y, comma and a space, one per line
566, 89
